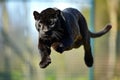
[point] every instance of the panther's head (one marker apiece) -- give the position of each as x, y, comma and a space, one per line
47, 23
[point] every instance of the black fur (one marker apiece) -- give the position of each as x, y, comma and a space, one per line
69, 31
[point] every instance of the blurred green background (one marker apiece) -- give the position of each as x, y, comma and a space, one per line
19, 56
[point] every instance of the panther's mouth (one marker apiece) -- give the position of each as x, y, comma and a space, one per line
46, 37
56, 35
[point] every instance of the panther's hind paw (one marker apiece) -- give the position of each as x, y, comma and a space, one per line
88, 60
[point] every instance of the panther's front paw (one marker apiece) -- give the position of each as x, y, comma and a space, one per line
45, 62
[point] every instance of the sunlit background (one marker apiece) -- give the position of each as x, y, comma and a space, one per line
19, 56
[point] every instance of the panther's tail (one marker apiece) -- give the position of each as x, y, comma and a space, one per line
102, 32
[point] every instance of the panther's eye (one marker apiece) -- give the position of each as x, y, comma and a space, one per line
41, 21
50, 22
38, 28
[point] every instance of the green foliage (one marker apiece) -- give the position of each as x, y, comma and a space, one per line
17, 75
50, 75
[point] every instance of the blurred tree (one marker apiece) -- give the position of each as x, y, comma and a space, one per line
101, 44
106, 62
113, 14
117, 74
6, 74
16, 46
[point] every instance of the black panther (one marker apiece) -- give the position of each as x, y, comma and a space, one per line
64, 30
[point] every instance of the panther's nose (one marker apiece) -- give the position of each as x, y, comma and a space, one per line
48, 33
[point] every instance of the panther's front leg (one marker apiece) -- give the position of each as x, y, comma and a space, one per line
44, 51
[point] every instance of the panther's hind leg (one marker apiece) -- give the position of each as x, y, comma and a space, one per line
77, 42
88, 58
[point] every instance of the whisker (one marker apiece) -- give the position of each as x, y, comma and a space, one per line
57, 34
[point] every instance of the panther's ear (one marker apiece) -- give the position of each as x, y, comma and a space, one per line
36, 15
60, 13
